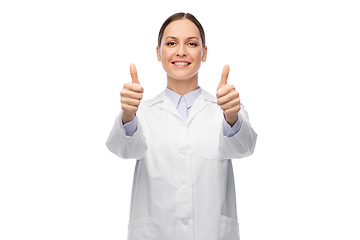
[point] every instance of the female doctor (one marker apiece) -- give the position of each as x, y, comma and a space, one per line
183, 140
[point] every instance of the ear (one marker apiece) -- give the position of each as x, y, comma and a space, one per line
158, 53
203, 59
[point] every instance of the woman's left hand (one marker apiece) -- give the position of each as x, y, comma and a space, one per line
228, 98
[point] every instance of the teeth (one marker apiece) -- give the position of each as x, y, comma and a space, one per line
181, 63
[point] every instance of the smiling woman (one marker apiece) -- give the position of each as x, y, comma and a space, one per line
181, 52
184, 140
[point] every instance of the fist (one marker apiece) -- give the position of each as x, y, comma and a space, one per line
228, 98
130, 96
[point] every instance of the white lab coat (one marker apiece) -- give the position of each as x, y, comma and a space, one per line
183, 186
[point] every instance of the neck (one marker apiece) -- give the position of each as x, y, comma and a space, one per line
182, 86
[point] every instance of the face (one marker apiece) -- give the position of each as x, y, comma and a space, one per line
181, 51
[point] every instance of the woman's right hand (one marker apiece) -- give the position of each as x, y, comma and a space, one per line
131, 95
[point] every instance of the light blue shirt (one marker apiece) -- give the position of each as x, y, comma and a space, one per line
183, 104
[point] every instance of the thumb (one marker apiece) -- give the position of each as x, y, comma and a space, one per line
133, 74
224, 76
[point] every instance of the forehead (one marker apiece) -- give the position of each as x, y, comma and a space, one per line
182, 28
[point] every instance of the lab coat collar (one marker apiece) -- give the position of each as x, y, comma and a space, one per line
208, 97
161, 96
200, 103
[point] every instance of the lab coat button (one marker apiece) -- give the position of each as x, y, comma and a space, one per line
183, 152
185, 221
183, 187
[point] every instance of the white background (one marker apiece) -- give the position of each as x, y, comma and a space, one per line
63, 63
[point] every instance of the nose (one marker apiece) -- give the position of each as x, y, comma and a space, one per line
181, 51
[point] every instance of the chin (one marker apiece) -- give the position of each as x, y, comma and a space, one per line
186, 76
181, 77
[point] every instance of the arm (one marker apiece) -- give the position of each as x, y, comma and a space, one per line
126, 138
125, 146
242, 144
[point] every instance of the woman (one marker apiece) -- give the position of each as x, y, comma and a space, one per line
183, 140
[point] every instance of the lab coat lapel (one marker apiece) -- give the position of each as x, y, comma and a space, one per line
167, 105
199, 104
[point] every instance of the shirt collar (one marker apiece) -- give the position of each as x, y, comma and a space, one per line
189, 97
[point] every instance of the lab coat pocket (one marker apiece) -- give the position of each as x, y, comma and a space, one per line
140, 229
210, 140
229, 228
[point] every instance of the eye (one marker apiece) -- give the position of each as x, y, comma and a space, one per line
193, 44
171, 43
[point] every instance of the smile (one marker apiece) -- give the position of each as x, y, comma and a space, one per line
181, 64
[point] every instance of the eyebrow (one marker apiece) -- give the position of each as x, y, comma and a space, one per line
186, 38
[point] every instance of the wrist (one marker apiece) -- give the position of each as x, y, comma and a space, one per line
231, 119
127, 117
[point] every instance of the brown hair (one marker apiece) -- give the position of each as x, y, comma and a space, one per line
179, 16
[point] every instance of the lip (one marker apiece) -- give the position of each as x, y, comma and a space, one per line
181, 61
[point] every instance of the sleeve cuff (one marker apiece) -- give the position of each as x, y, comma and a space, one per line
229, 131
129, 128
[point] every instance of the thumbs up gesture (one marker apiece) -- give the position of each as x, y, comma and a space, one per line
131, 94
228, 98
